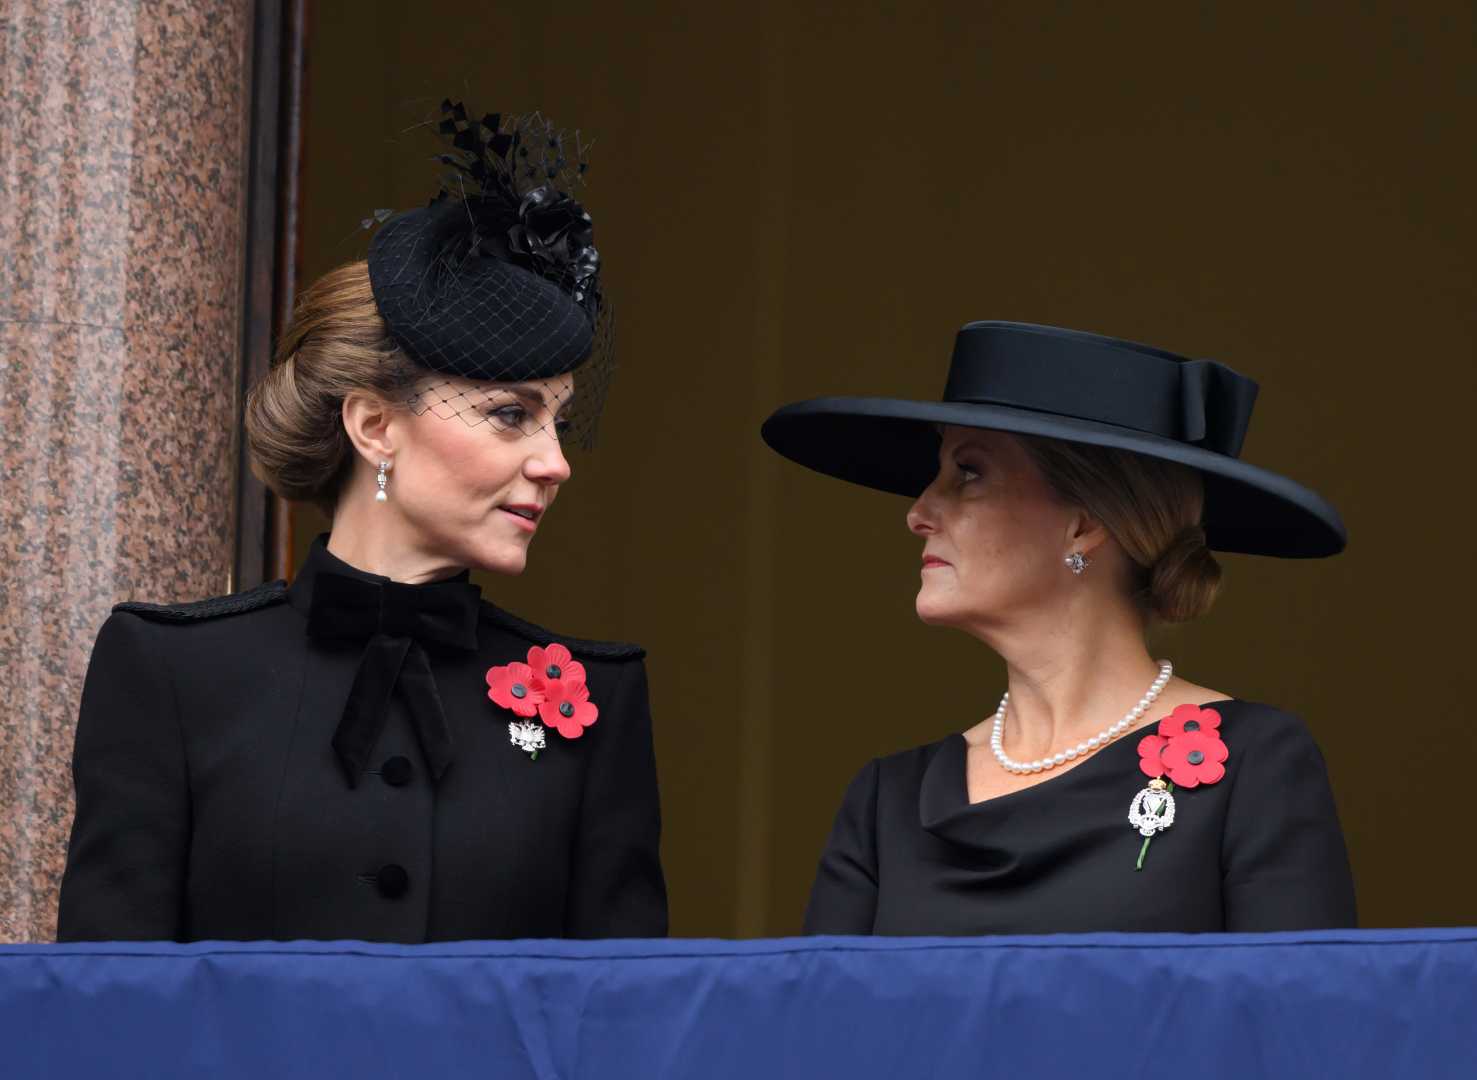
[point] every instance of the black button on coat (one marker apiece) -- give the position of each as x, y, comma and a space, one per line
211, 803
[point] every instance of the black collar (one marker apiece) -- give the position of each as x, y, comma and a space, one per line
320, 560
395, 623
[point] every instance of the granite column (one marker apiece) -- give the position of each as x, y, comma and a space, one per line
122, 204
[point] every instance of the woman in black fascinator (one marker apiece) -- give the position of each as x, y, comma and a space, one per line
376, 751
1068, 491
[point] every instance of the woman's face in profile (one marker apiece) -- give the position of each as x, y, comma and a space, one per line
478, 464
994, 534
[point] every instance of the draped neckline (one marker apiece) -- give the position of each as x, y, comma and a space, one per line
943, 799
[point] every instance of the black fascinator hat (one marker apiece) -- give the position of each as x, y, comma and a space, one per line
1076, 387
498, 278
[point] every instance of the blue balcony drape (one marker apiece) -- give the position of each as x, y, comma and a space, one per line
1399, 1003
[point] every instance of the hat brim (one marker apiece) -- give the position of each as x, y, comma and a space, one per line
892, 445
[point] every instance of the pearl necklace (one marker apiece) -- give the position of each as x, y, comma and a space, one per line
1102, 738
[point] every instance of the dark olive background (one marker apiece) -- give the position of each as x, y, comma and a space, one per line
797, 198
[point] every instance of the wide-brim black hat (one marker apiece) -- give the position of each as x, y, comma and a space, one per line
1081, 388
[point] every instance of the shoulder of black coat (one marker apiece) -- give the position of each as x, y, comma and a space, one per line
586, 648
216, 607
1254, 723
1264, 717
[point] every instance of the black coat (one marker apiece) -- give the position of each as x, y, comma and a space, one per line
1257, 851
212, 804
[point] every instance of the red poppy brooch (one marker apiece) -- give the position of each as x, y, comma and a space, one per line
1189, 751
550, 686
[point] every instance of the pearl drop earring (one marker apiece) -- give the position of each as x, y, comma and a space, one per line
382, 480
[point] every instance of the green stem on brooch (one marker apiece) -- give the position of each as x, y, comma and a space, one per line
1169, 787
533, 756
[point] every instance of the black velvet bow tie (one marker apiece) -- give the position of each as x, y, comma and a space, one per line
397, 620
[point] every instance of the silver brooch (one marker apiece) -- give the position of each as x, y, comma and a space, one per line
527, 736
1152, 810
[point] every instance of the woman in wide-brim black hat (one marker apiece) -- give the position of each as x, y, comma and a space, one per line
377, 752
1068, 491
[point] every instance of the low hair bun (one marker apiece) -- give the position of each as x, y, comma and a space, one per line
337, 343
1184, 579
1153, 510
280, 421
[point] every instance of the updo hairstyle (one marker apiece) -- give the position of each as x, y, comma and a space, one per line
337, 343
1152, 508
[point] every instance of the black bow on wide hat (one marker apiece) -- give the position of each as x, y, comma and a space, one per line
1076, 387
398, 621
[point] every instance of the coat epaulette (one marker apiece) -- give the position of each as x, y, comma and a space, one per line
537, 635
273, 592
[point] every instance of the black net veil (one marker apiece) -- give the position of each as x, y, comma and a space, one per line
493, 289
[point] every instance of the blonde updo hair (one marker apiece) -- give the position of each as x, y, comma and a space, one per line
337, 343
1152, 508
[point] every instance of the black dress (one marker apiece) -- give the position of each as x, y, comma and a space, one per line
1259, 850
223, 792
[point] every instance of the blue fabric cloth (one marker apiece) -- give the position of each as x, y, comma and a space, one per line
1347, 1004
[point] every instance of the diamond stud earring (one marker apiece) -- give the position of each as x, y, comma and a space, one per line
1077, 562
382, 480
